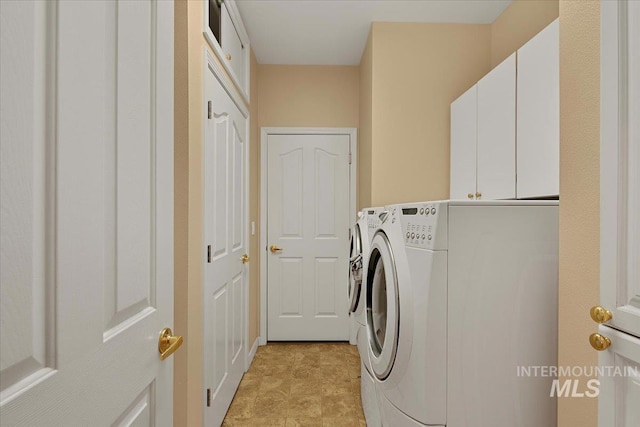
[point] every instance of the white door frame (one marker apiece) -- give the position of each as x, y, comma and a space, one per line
211, 65
352, 133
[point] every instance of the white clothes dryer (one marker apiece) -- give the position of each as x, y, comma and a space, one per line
360, 243
460, 295
366, 226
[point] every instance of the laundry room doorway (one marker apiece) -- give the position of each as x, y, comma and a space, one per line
308, 205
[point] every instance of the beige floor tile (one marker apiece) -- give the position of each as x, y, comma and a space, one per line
305, 387
241, 408
307, 359
334, 372
306, 372
305, 406
231, 422
300, 384
333, 358
268, 422
270, 406
338, 406
336, 387
341, 422
275, 385
304, 422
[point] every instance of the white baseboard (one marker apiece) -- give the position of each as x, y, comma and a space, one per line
263, 340
252, 352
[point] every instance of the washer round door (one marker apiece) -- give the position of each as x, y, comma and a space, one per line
355, 268
383, 305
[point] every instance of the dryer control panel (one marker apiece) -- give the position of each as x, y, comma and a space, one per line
424, 225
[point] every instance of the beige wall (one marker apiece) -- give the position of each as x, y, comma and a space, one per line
522, 20
188, 219
579, 196
418, 70
188, 224
308, 95
254, 206
366, 126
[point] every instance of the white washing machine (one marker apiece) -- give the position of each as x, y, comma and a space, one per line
361, 236
355, 280
462, 294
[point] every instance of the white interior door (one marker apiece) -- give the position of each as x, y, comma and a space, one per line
308, 219
86, 197
225, 228
620, 210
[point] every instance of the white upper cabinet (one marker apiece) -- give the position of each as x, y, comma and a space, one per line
231, 45
483, 132
538, 120
496, 168
464, 125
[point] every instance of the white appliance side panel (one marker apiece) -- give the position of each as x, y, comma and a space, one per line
502, 314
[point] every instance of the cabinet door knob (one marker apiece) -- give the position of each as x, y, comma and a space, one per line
600, 315
470, 195
599, 342
478, 195
229, 56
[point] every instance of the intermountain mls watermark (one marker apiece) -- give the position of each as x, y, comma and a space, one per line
572, 387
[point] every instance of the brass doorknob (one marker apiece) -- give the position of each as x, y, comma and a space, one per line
478, 195
274, 249
470, 196
229, 56
600, 315
599, 342
245, 258
167, 343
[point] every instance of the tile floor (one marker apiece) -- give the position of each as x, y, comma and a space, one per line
300, 384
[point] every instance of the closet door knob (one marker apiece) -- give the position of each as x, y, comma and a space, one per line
470, 195
478, 195
229, 56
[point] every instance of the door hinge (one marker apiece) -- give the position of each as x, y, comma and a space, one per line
209, 109
208, 397
349, 158
209, 253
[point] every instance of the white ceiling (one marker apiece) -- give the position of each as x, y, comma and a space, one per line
334, 32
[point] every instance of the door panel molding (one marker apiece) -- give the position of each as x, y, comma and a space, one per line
264, 137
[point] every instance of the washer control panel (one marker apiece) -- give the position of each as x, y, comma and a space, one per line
424, 225
373, 219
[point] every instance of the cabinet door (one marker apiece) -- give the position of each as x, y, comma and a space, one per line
538, 150
464, 128
497, 132
232, 45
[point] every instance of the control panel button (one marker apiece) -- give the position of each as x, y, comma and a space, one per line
421, 211
426, 211
413, 235
429, 237
433, 211
423, 237
408, 234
